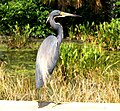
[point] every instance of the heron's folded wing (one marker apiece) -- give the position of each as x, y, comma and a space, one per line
53, 55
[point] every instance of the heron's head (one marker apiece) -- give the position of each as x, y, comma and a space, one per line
58, 13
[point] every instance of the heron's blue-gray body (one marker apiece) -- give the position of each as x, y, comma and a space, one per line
47, 58
48, 52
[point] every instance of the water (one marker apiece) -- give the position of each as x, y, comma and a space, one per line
19, 61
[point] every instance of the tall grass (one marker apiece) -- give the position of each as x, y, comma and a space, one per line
84, 73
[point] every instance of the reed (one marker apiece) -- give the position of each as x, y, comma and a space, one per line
84, 73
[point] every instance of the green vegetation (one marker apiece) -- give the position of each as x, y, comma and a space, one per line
105, 34
84, 73
22, 13
35, 12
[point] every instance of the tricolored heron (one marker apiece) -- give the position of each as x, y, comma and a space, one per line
48, 53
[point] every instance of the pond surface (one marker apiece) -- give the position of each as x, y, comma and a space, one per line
19, 61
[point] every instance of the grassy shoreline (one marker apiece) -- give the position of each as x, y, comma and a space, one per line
84, 73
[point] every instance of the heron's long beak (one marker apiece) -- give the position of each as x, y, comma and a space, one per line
64, 14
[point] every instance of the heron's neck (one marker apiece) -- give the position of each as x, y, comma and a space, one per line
59, 28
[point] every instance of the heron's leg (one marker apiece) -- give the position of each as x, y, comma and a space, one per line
54, 89
45, 91
37, 94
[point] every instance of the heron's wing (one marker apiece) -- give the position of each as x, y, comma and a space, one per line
52, 54
46, 60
